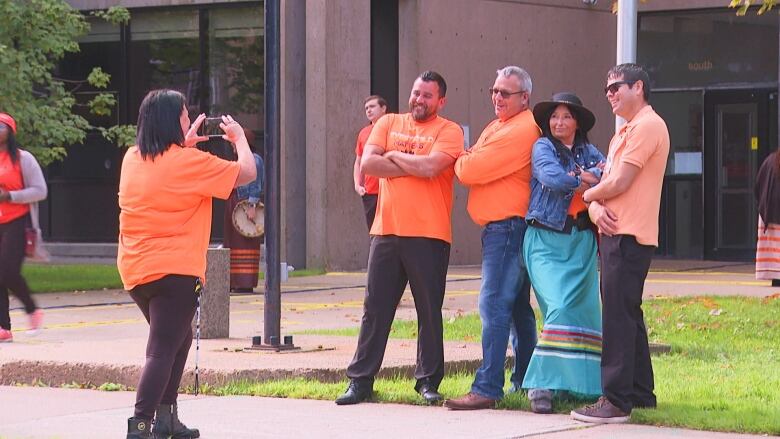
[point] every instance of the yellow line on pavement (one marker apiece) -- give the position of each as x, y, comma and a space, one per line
76, 325
699, 273
84, 308
707, 282
462, 293
305, 306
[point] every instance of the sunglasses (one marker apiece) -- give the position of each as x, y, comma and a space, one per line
615, 86
504, 94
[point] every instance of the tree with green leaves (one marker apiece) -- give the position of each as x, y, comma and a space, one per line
34, 37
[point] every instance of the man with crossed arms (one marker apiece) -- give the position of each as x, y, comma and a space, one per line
413, 154
497, 170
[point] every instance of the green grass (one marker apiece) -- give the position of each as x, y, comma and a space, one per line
397, 390
723, 373
302, 272
45, 278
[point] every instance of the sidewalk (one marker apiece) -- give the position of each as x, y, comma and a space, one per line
100, 336
38, 413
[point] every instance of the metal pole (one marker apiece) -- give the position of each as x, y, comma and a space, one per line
273, 303
626, 38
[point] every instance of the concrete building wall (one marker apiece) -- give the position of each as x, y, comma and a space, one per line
129, 4
564, 45
293, 135
337, 80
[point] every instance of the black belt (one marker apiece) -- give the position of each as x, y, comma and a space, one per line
582, 222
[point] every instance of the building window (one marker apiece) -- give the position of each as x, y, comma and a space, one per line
685, 49
212, 53
236, 65
164, 52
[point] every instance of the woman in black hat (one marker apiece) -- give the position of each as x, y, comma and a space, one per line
560, 253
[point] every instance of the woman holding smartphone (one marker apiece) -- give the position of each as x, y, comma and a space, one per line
165, 193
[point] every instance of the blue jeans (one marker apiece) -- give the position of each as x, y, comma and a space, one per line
504, 306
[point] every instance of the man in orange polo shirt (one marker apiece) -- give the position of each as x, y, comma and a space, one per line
497, 170
413, 153
367, 186
625, 207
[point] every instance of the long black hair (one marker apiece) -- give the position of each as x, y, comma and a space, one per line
158, 122
580, 137
12, 144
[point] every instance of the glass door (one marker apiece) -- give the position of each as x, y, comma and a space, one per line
738, 124
737, 147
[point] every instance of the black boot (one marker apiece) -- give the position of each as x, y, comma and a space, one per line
357, 392
167, 424
138, 428
776, 282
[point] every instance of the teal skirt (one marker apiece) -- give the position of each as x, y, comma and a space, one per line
563, 273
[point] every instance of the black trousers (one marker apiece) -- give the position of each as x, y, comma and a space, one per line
626, 369
12, 243
369, 208
392, 262
169, 306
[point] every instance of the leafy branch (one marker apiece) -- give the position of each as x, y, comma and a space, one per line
35, 35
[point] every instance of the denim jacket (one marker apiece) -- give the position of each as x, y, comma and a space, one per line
251, 191
551, 185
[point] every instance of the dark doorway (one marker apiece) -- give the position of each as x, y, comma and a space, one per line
739, 124
384, 51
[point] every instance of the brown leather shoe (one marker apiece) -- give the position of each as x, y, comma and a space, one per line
602, 412
470, 401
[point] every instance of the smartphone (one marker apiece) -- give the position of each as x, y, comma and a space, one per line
210, 127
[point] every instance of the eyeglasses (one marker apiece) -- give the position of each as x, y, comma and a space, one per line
615, 86
504, 94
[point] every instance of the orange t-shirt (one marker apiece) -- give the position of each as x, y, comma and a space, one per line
370, 182
165, 218
577, 205
415, 206
497, 169
644, 143
11, 180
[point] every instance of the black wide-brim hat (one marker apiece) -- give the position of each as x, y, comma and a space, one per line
585, 117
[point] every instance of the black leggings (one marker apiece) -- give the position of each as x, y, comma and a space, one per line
12, 244
169, 306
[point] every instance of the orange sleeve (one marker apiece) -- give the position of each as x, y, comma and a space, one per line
642, 144
450, 140
361, 140
378, 135
359, 147
207, 174
498, 157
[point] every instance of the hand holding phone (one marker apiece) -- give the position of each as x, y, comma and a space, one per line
210, 127
232, 129
191, 137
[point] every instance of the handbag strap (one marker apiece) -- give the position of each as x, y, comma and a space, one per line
33, 206
34, 215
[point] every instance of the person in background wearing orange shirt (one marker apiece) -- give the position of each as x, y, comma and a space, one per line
165, 191
625, 207
22, 186
413, 154
497, 170
367, 186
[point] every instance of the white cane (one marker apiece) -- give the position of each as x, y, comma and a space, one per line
198, 289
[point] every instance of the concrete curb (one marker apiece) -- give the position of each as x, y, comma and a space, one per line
56, 374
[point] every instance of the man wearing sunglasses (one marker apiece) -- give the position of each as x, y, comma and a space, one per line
497, 170
625, 207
